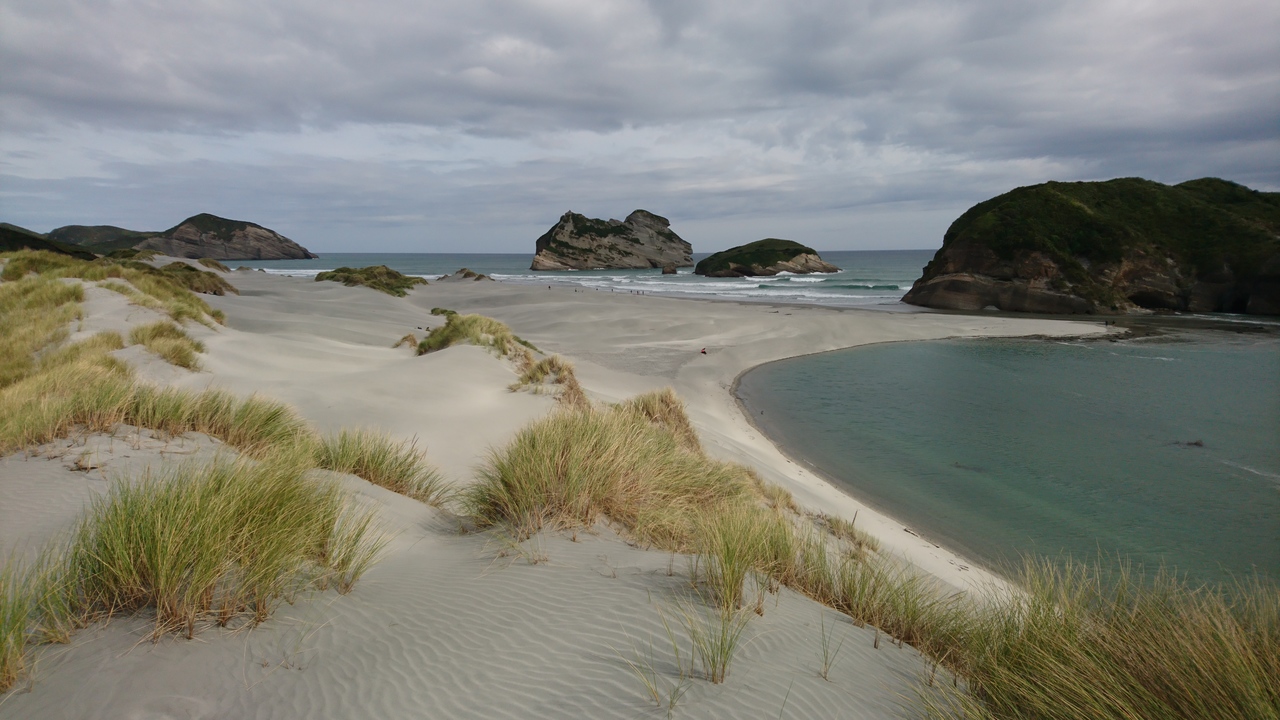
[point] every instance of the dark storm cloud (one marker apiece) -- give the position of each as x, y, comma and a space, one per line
708, 109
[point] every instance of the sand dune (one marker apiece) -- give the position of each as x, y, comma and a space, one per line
451, 624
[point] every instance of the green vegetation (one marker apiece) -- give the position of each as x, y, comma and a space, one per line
378, 277
206, 224
100, 238
560, 372
578, 463
399, 467
169, 342
34, 313
213, 264
409, 339
1205, 225
477, 330
250, 534
168, 289
442, 311
133, 254
13, 238
760, 253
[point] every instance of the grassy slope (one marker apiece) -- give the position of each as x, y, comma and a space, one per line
1203, 224
14, 238
210, 543
760, 253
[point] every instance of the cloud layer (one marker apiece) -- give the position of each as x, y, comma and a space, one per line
442, 126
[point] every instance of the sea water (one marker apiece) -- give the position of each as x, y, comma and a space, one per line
1156, 450
875, 279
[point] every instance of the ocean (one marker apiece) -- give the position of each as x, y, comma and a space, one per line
873, 279
1160, 450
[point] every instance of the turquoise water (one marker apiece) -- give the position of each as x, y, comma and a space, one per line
871, 278
1161, 451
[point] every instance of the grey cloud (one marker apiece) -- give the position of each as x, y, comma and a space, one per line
827, 107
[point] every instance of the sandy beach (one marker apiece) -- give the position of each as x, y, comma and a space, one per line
453, 624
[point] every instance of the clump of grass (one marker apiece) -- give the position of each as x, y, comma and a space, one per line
399, 467
169, 342
442, 311
215, 542
715, 635
17, 606
846, 531
411, 340
561, 373
778, 497
213, 264
201, 281
576, 464
477, 330
663, 407
378, 277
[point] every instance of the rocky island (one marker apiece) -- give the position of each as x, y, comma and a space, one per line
764, 258
199, 236
643, 240
1117, 246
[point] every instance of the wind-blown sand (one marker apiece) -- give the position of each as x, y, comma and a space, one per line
465, 625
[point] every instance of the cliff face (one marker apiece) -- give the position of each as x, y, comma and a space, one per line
643, 240
1111, 247
763, 258
209, 236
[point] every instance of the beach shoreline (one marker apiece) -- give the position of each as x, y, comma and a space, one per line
443, 603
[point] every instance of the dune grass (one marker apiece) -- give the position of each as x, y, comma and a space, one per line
846, 530
169, 342
561, 374
247, 534
213, 264
666, 409
17, 605
378, 277
34, 313
400, 467
410, 339
580, 463
477, 330
1101, 640
169, 290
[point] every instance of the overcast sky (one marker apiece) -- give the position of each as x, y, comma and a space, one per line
470, 126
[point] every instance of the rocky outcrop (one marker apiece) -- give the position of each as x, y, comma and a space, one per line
764, 258
1127, 245
643, 240
209, 236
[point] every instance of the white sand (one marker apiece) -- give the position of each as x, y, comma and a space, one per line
445, 625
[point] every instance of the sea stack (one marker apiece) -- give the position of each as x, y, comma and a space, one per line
643, 240
763, 258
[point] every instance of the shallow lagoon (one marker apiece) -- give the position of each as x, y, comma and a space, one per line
1159, 449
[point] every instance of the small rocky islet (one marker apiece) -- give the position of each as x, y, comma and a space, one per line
764, 258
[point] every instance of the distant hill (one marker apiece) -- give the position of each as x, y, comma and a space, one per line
104, 238
199, 236
13, 238
1205, 245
